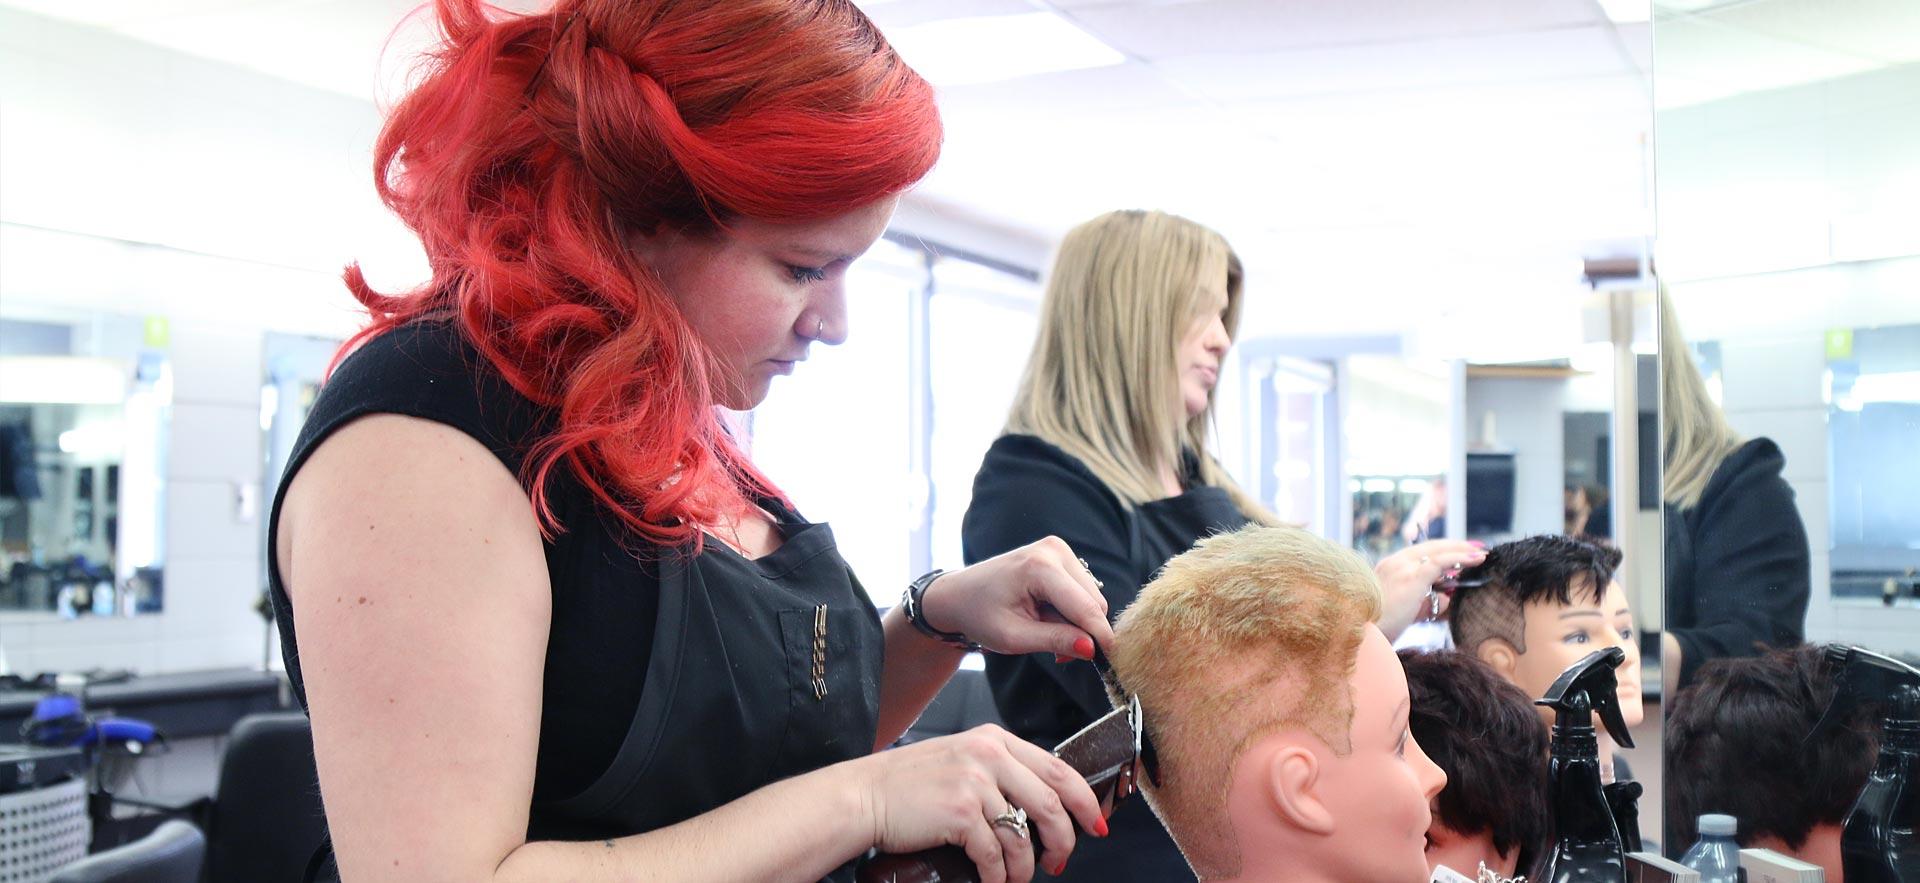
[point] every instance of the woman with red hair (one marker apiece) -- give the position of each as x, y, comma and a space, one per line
552, 624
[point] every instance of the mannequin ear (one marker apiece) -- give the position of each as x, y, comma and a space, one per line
1498, 653
1293, 784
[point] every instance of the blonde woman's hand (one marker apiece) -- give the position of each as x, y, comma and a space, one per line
949, 791
1408, 575
1038, 598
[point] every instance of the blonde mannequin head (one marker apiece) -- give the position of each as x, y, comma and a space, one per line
1260, 669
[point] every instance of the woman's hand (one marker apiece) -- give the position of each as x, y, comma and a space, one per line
1408, 575
1038, 598
949, 790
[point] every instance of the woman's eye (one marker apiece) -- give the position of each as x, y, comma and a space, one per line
807, 274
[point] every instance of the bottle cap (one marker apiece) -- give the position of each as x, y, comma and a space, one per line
1717, 825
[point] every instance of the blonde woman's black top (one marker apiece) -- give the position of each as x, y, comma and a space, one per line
1028, 489
1739, 570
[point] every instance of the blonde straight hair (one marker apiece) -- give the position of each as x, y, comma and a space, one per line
1103, 381
1694, 433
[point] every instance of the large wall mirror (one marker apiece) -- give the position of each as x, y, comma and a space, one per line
84, 406
1789, 168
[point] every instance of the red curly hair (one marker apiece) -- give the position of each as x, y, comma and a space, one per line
535, 143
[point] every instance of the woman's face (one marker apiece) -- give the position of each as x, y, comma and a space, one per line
760, 293
1202, 350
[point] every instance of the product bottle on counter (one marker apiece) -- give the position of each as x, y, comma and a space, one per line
1587, 845
1716, 856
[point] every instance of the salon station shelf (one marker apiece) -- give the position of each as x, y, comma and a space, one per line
183, 705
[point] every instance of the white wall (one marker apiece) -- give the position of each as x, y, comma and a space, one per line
1529, 421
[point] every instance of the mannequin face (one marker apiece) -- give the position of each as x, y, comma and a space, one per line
1302, 812
1465, 853
1560, 635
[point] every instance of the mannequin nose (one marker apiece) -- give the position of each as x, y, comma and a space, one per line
1431, 777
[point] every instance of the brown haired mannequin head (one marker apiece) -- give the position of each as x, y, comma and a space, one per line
1279, 712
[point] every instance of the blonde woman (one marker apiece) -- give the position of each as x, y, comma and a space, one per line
1106, 448
1738, 565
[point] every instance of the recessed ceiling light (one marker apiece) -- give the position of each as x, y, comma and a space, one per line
986, 49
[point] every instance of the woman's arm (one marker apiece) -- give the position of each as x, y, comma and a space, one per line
419, 582
1034, 599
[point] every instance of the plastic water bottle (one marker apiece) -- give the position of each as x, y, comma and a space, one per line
1716, 856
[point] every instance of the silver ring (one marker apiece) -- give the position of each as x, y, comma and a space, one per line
1014, 819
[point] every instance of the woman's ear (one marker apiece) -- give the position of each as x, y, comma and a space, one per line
1293, 785
1498, 653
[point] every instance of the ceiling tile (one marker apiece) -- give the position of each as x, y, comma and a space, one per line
1153, 30
1564, 53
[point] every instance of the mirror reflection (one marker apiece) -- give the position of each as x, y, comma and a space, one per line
1789, 163
84, 407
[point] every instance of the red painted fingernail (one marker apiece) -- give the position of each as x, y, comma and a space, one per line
1062, 658
1083, 647
1477, 544
1100, 828
1059, 869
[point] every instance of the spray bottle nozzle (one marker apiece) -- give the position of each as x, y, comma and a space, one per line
1863, 676
1590, 686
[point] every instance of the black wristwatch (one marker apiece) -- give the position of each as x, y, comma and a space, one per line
916, 614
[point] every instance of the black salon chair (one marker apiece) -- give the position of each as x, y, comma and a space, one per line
265, 820
173, 853
964, 703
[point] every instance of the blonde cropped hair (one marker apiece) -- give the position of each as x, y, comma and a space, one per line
1249, 633
1695, 435
1103, 380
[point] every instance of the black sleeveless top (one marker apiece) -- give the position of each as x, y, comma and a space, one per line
1028, 489
674, 683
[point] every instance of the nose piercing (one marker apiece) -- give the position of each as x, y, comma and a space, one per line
819, 327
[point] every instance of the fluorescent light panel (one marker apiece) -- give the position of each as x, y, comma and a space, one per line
1627, 11
987, 49
62, 380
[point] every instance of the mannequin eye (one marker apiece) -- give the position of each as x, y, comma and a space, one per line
1576, 638
1626, 634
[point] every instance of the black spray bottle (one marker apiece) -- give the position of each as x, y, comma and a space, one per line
1880, 842
1588, 848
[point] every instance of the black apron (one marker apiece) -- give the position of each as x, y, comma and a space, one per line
731, 701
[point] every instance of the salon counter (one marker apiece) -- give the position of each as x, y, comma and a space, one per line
182, 705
